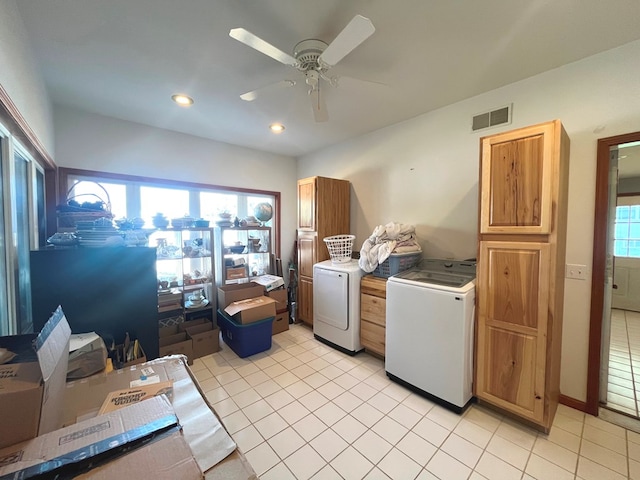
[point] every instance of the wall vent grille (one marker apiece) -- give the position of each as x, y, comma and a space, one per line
499, 116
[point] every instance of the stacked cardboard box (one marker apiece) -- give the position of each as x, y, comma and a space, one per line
245, 317
281, 321
194, 339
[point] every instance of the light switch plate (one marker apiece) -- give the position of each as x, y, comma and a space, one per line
578, 272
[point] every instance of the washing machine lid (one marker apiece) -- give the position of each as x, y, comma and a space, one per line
448, 273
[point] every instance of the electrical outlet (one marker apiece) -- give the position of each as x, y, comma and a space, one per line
578, 272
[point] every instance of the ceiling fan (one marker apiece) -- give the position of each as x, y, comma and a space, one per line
314, 58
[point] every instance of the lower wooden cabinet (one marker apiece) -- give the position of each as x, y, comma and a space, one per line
514, 359
373, 305
305, 300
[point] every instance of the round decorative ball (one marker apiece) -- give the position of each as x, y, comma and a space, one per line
263, 211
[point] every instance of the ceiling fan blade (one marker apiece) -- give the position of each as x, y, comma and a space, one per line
357, 31
257, 43
319, 107
252, 95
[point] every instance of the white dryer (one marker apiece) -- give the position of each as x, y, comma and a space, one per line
429, 330
336, 305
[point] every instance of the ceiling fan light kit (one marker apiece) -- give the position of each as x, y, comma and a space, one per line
313, 57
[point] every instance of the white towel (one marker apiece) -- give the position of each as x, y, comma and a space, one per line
384, 241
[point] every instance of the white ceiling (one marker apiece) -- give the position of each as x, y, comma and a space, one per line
125, 58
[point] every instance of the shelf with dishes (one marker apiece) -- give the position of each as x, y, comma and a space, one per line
184, 268
242, 253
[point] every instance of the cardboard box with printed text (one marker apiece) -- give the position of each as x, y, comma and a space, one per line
32, 383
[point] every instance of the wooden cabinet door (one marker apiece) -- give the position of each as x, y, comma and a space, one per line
305, 299
516, 178
307, 253
307, 204
513, 299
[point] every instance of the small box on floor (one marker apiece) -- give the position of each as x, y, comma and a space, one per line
280, 323
248, 339
204, 338
178, 343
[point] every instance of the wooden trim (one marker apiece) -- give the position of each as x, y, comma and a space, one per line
19, 128
64, 173
598, 266
573, 403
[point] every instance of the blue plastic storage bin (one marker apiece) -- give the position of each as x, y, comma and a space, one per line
246, 339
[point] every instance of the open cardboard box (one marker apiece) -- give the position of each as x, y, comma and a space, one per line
32, 384
251, 309
75, 449
232, 293
210, 444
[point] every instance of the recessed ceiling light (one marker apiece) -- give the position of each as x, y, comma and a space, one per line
276, 127
182, 100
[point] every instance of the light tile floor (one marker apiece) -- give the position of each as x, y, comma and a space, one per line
623, 392
303, 410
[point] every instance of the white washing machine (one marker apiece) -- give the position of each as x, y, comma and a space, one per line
429, 330
336, 305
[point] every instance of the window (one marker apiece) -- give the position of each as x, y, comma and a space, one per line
21, 218
172, 202
131, 197
626, 241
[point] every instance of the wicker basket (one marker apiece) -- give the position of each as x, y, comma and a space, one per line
69, 215
340, 247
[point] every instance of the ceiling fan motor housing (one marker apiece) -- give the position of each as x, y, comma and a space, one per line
306, 54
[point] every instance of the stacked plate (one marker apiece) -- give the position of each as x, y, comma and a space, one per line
98, 236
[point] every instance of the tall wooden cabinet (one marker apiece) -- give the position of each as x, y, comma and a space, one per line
323, 211
520, 271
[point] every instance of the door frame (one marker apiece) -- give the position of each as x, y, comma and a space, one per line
598, 265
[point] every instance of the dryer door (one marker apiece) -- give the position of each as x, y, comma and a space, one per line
331, 298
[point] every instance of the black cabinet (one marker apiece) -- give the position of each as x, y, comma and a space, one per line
107, 290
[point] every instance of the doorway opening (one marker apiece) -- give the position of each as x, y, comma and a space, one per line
614, 336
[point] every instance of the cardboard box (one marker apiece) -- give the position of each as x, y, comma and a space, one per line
183, 326
121, 357
280, 323
251, 309
167, 331
32, 384
209, 442
128, 396
234, 273
71, 449
269, 282
232, 293
167, 458
205, 339
282, 299
177, 344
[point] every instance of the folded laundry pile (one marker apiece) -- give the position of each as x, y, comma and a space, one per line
385, 240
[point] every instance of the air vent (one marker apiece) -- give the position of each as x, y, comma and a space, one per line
499, 116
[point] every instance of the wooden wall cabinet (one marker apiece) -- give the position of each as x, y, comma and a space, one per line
323, 211
373, 306
520, 271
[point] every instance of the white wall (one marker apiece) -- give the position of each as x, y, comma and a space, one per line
425, 171
21, 77
95, 142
